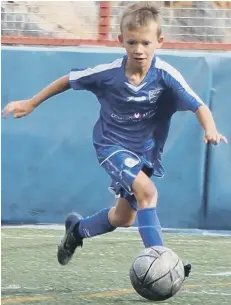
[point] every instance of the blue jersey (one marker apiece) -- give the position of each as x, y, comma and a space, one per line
136, 118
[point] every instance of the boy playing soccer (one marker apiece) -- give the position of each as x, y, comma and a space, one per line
138, 94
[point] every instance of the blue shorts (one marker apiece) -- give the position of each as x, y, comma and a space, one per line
124, 165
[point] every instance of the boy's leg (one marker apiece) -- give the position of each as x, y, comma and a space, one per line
123, 214
122, 165
149, 226
78, 228
107, 220
125, 168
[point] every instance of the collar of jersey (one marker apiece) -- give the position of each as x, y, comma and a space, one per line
145, 79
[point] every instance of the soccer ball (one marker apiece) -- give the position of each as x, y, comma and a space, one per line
157, 273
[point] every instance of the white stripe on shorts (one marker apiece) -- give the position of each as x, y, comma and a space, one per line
115, 152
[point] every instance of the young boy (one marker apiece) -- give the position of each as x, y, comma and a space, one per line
138, 95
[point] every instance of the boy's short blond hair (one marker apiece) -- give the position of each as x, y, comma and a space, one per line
139, 14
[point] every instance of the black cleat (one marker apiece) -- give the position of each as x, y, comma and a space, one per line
71, 239
187, 269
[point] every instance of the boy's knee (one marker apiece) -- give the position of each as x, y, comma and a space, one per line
148, 198
145, 191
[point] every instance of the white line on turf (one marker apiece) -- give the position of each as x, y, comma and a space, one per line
228, 273
108, 238
29, 236
197, 232
17, 287
206, 292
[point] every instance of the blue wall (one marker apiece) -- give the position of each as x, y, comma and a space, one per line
49, 166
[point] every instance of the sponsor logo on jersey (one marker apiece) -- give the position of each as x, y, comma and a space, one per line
136, 98
137, 116
115, 116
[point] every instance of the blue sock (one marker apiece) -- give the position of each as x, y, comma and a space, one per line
149, 227
95, 225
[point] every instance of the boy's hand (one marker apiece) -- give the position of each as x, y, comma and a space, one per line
214, 138
18, 108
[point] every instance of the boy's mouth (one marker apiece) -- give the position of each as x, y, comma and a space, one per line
139, 59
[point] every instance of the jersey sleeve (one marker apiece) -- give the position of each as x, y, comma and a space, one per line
84, 79
185, 97
93, 79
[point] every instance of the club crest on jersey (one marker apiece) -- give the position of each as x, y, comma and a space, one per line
154, 94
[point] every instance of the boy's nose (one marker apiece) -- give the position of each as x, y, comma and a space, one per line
139, 50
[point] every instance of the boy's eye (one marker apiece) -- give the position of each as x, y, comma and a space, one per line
146, 43
131, 42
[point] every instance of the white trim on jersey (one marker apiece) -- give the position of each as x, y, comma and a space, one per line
75, 75
135, 88
160, 64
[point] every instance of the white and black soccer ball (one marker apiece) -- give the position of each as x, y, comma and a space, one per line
157, 273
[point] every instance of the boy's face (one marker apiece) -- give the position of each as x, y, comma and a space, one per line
141, 44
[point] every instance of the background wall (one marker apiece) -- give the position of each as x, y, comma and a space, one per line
49, 166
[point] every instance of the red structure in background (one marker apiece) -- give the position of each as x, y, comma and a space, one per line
11, 40
104, 20
103, 37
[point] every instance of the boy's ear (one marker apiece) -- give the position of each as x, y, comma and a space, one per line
160, 40
120, 38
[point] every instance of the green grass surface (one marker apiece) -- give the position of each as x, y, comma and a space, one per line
99, 272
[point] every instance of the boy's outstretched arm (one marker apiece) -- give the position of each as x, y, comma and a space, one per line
205, 117
187, 99
24, 107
